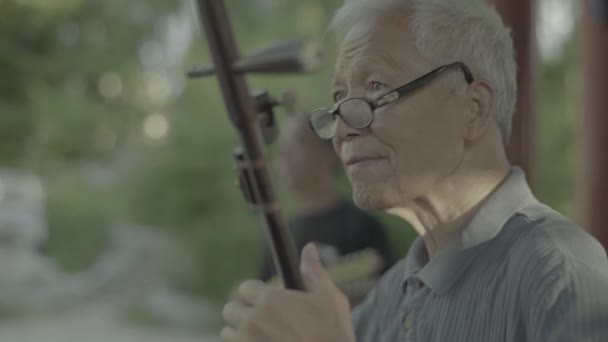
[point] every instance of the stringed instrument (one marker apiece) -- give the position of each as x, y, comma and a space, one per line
253, 118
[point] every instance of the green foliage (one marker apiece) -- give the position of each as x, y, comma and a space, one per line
80, 216
556, 150
53, 117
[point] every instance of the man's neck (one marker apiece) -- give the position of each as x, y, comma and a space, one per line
440, 216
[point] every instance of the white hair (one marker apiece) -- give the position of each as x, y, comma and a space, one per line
445, 31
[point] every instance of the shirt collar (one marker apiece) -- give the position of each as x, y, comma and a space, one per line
440, 272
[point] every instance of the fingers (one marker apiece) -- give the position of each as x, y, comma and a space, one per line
228, 334
251, 291
247, 295
235, 313
259, 312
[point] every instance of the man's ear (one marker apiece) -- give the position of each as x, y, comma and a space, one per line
480, 99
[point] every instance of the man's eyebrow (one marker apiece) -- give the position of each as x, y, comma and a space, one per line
376, 65
337, 78
359, 70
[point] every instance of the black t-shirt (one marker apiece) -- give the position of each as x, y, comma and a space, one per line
341, 230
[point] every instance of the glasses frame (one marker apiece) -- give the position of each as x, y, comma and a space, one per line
393, 95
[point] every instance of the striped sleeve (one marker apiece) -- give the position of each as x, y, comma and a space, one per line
572, 305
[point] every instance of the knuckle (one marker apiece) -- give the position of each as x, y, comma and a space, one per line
245, 285
227, 334
250, 290
234, 314
226, 310
251, 284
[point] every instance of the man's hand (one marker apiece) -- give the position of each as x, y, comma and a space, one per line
262, 313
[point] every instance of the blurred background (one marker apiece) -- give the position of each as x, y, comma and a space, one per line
119, 215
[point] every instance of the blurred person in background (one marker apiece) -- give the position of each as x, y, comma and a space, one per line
309, 168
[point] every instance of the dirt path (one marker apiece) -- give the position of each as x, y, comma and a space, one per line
94, 323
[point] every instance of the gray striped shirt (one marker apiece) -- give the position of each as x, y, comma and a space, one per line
519, 272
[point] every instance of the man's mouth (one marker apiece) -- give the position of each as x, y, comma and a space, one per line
361, 160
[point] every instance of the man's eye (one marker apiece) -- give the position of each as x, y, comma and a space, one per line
374, 86
338, 96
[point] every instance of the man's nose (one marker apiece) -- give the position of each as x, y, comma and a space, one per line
344, 131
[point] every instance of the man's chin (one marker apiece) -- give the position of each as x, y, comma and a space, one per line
369, 200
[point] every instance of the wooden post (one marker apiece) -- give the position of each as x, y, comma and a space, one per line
592, 187
518, 15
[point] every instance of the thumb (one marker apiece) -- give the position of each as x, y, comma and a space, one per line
316, 278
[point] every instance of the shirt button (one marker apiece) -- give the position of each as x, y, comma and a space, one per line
408, 322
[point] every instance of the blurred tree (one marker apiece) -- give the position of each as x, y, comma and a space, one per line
71, 69
66, 66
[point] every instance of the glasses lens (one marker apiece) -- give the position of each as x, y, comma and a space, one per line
323, 123
356, 113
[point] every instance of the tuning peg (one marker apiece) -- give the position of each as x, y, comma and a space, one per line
290, 57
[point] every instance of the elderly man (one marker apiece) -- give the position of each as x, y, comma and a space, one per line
424, 93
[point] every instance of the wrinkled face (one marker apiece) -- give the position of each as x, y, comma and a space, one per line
413, 143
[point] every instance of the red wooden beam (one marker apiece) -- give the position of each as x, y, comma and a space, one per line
592, 189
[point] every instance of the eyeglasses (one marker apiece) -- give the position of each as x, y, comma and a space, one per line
358, 112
